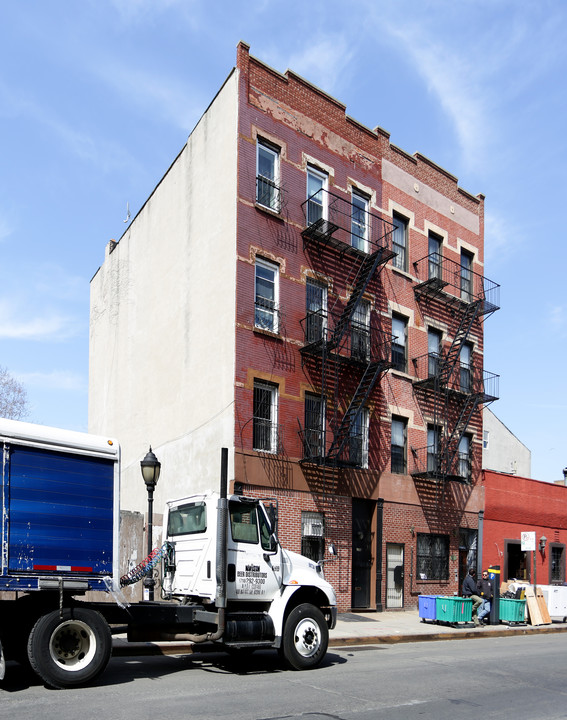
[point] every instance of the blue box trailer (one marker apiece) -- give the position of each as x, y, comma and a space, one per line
59, 501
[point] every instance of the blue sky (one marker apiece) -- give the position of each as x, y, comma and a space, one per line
97, 97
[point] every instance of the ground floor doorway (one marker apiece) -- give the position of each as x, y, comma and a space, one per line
362, 555
394, 576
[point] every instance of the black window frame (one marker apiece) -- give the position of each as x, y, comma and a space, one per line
432, 557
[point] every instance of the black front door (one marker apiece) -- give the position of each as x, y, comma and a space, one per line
362, 543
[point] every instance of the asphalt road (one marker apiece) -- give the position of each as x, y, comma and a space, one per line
508, 678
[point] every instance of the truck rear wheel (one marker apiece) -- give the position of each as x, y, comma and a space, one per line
305, 637
69, 648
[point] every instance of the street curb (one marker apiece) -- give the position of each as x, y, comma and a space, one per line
121, 648
457, 635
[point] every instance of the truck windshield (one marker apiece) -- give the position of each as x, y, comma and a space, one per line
187, 519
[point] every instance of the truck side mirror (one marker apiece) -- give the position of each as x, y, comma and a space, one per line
332, 550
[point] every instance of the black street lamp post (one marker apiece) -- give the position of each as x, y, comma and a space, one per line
150, 472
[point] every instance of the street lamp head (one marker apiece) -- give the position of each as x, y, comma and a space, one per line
151, 467
542, 542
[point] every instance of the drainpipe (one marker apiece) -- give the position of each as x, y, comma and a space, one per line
479, 541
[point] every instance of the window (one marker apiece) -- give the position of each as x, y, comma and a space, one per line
485, 439
358, 439
187, 519
267, 177
557, 564
398, 445
313, 535
244, 522
432, 557
465, 460
433, 446
360, 331
433, 352
465, 361
265, 417
314, 426
400, 241
466, 276
316, 301
399, 342
435, 258
266, 294
316, 195
359, 222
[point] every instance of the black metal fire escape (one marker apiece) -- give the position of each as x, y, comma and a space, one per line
451, 391
342, 343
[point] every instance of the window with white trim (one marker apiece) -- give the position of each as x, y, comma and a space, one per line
400, 241
398, 445
317, 183
465, 459
360, 331
266, 295
268, 176
316, 306
358, 439
399, 343
359, 222
265, 417
313, 535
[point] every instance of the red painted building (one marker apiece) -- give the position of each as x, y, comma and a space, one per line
513, 505
350, 382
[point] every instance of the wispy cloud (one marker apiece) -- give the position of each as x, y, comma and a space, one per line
5, 227
132, 10
557, 318
81, 143
452, 77
324, 60
17, 323
55, 380
160, 94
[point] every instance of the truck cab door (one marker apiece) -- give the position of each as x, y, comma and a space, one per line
254, 557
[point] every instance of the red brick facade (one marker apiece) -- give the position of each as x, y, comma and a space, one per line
514, 505
307, 127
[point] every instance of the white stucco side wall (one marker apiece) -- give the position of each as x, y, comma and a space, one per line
162, 353
502, 451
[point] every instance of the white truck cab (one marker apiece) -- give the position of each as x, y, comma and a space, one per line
261, 576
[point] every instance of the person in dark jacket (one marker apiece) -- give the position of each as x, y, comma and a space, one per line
470, 590
484, 587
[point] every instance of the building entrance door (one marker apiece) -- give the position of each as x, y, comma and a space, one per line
362, 542
394, 576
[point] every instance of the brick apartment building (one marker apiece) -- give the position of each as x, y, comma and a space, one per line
312, 297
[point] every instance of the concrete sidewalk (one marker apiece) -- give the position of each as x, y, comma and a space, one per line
370, 628
406, 626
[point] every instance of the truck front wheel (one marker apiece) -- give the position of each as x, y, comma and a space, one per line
69, 647
305, 637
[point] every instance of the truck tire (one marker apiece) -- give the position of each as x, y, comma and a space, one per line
69, 648
305, 637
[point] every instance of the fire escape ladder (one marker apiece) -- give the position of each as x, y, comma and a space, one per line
371, 375
365, 274
452, 445
447, 364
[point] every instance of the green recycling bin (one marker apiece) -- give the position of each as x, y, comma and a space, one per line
512, 610
454, 609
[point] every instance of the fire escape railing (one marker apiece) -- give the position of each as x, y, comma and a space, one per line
456, 389
449, 281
